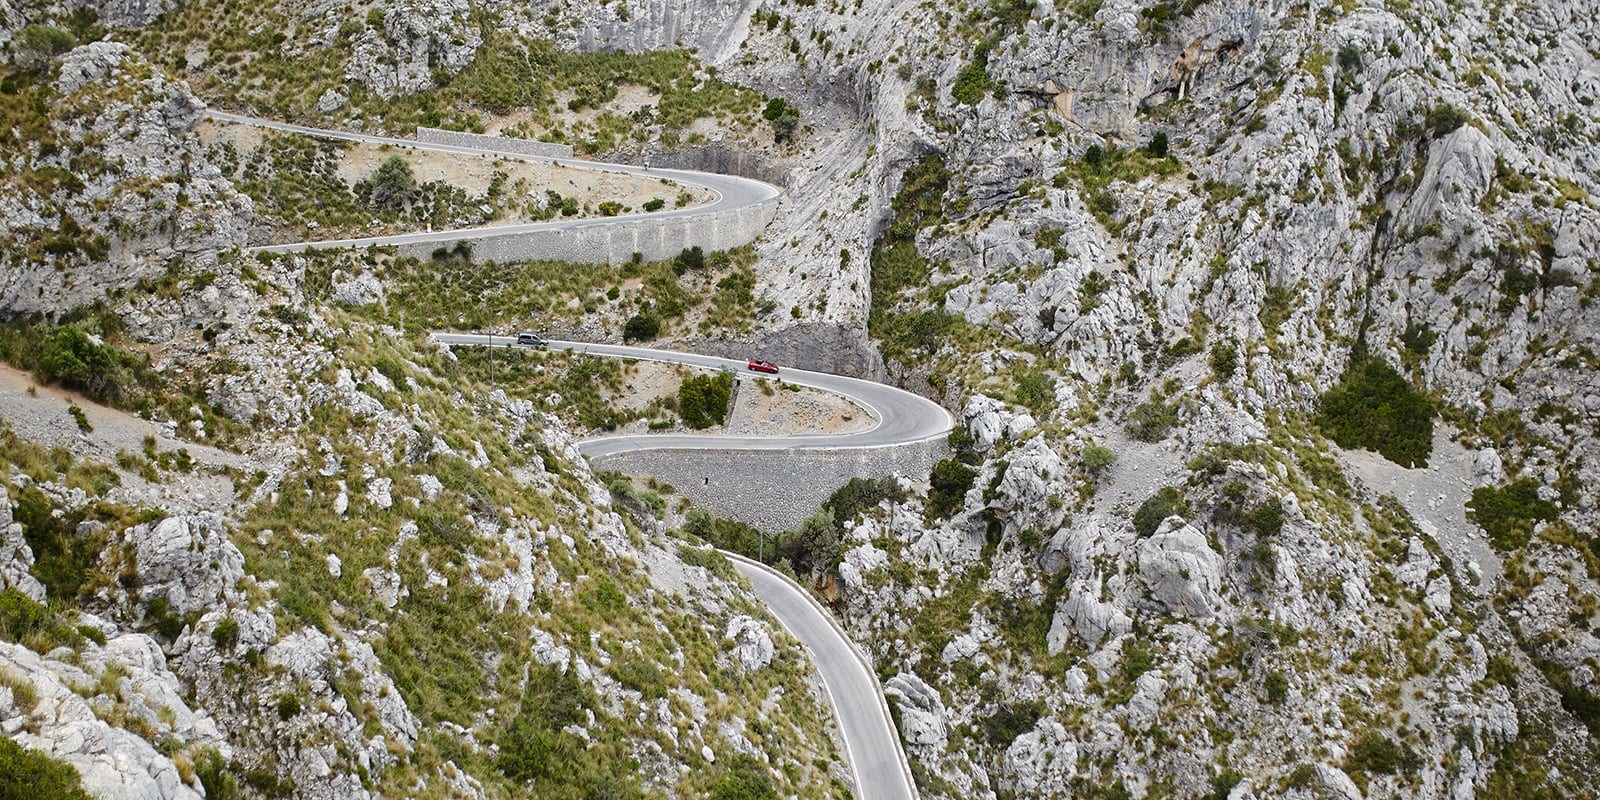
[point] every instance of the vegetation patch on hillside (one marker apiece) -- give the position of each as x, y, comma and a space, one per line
1374, 407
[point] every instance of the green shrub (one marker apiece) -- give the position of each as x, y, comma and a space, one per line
726, 534
703, 400
1157, 147
158, 614
1036, 390
1444, 119
972, 82
1010, 721
690, 258
1375, 407
92, 634
288, 707
813, 546
226, 634
1222, 784
1376, 754
1265, 520
861, 494
534, 746
1508, 513
1166, 502
1151, 421
1224, 360
81, 419
785, 119
69, 357
215, 776
34, 45
1277, 687
949, 484
63, 561
21, 617
1097, 458
32, 775
641, 327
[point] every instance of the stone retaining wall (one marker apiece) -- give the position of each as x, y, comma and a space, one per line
527, 147
772, 490
614, 240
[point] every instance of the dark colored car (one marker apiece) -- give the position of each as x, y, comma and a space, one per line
531, 339
758, 365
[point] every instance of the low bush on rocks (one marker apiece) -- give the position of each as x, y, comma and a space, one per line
1151, 421
948, 487
1097, 458
744, 779
1508, 513
641, 327
862, 494
1374, 753
1010, 721
1166, 502
33, 775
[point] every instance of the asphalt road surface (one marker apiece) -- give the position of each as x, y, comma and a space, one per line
870, 739
900, 417
730, 192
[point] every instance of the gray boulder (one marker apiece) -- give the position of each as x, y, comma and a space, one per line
1180, 570
752, 645
922, 712
189, 560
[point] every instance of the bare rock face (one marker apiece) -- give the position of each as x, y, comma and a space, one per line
418, 37
357, 290
634, 25
150, 196
189, 561
1181, 571
16, 558
922, 712
128, 13
752, 645
111, 761
1087, 617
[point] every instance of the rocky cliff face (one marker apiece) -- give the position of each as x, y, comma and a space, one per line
107, 185
1134, 244
1204, 211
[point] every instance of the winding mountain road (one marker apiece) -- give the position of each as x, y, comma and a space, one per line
871, 740
730, 192
899, 417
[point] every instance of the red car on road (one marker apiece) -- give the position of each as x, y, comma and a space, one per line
757, 365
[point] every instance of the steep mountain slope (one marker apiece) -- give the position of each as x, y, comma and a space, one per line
1177, 264
274, 543
1195, 221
